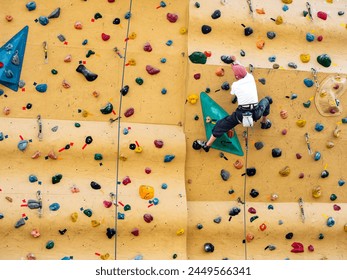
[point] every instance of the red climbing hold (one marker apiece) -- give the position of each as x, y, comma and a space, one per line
135, 232
197, 76
147, 47
126, 180
152, 70
172, 17
148, 218
322, 15
105, 37
158, 143
148, 170
297, 247
252, 210
129, 112
320, 38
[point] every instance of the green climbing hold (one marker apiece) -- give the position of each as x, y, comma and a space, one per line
107, 109
127, 207
56, 178
77, 124
139, 81
50, 244
98, 156
87, 212
198, 58
54, 72
307, 104
253, 218
324, 60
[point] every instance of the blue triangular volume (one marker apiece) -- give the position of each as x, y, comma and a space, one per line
11, 59
215, 112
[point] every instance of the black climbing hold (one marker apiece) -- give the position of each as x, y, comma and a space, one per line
262, 81
292, 65
258, 145
205, 29
197, 4
208, 247
321, 236
107, 109
271, 35
324, 174
67, 147
196, 118
124, 90
116, 21
90, 76
227, 59
254, 193
248, 31
132, 146
225, 174
89, 140
289, 235
62, 232
196, 145
340, 13
97, 16
54, 14
216, 14
56, 178
95, 185
110, 232
199, 226
250, 171
242, 53
29, 106
276, 152
225, 86
234, 211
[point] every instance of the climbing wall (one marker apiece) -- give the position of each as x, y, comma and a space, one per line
100, 111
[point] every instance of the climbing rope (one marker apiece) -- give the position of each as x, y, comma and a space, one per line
115, 195
245, 136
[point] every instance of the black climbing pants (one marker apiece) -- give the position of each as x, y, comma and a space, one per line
224, 125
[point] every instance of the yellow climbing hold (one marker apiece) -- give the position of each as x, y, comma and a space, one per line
301, 123
131, 62
123, 157
192, 99
105, 256
85, 114
183, 30
180, 231
138, 149
74, 216
336, 132
285, 171
279, 20
305, 57
345, 227
287, 1
95, 223
132, 35
316, 192
146, 192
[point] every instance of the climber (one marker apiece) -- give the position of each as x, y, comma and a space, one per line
245, 93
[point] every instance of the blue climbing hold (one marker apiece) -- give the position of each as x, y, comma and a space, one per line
1, 92
127, 15
308, 82
54, 206
125, 131
31, 6
1, 216
285, 8
272, 58
155, 201
164, 186
138, 257
341, 182
163, 60
164, 91
309, 37
169, 43
41, 87
43, 20
1, 136
22, 145
319, 127
270, 207
121, 216
330, 222
293, 96
317, 156
66, 258
85, 42
32, 178
169, 158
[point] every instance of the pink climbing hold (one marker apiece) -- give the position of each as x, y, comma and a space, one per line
111, 1
158, 143
320, 38
152, 70
297, 247
126, 180
197, 76
252, 210
322, 15
147, 47
135, 232
310, 248
107, 203
148, 218
105, 37
336, 207
172, 17
129, 112
148, 170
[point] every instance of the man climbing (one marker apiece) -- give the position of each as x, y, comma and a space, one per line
245, 91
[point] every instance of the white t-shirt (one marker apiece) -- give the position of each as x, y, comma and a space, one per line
245, 90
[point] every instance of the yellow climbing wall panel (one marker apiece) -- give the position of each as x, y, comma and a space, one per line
189, 192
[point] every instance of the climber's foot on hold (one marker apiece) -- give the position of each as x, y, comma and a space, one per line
266, 124
203, 145
269, 99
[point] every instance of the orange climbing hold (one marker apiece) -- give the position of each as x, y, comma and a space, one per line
262, 227
146, 192
260, 11
260, 44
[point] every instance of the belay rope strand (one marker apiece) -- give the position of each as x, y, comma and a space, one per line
245, 136
115, 195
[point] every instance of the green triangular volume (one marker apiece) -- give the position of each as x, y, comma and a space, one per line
11, 58
211, 109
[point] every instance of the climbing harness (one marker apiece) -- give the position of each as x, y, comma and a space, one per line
40, 127
45, 49
301, 205
247, 119
39, 198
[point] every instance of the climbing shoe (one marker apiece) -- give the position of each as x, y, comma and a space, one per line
269, 99
203, 145
266, 125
